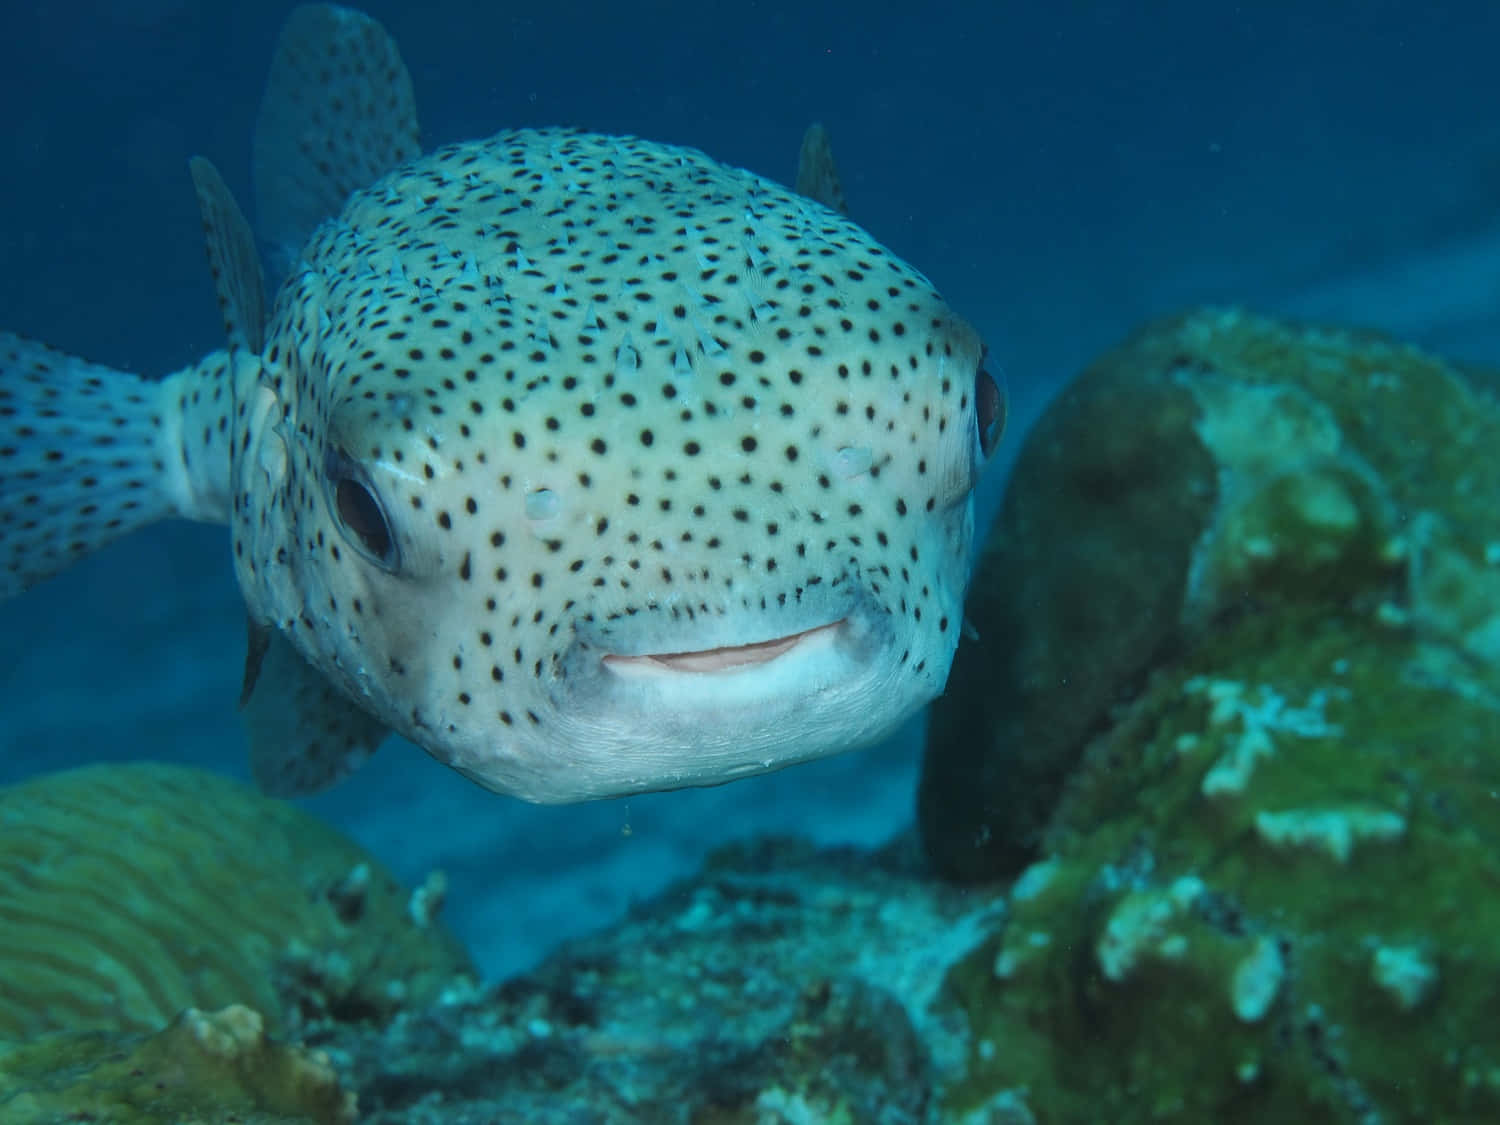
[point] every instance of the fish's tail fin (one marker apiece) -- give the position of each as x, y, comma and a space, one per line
88, 453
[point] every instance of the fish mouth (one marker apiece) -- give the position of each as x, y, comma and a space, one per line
725, 659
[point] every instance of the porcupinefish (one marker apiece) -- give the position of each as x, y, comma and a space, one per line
591, 465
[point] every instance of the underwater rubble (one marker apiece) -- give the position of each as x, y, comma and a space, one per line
217, 1068
1209, 831
782, 983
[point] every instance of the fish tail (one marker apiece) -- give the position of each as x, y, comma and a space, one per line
88, 453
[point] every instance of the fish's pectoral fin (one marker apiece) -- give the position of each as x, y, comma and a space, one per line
257, 641
305, 734
817, 174
337, 114
233, 259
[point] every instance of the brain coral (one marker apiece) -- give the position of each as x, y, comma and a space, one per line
129, 893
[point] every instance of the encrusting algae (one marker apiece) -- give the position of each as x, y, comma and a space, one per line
206, 1068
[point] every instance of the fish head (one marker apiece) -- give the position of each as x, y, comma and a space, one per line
600, 468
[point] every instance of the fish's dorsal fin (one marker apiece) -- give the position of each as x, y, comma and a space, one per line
305, 734
817, 174
338, 113
232, 258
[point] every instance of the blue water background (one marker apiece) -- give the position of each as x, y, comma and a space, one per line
1063, 171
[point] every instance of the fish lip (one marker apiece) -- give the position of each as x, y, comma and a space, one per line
723, 659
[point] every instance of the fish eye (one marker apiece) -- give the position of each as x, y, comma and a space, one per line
359, 512
989, 411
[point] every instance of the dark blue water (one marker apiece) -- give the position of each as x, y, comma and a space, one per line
1061, 171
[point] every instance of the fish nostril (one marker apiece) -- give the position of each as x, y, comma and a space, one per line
542, 504
852, 461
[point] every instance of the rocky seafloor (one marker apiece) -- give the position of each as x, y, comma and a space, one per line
1209, 830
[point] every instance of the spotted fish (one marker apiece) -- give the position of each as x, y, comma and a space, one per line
590, 465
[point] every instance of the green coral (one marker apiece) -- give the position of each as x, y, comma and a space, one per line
1180, 956
1266, 890
1215, 463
